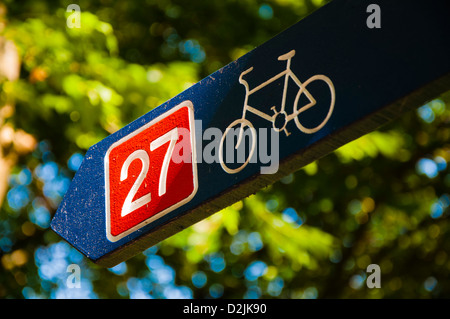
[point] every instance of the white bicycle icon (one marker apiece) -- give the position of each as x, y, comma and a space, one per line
280, 118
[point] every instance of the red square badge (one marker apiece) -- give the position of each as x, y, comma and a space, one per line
150, 172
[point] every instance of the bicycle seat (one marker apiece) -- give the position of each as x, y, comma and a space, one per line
286, 56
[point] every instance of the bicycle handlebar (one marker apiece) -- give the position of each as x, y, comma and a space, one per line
244, 73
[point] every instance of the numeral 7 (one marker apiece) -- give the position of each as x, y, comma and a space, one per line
171, 136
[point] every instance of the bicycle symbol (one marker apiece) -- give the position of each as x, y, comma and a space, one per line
280, 118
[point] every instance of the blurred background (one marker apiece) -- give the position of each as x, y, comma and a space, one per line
383, 199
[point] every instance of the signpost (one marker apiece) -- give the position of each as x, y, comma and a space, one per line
327, 80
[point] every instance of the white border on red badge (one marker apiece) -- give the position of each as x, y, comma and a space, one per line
158, 215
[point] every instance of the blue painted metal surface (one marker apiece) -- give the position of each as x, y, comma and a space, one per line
369, 68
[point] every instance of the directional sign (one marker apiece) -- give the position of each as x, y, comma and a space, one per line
334, 76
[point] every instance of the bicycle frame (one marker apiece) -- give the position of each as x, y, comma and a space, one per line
287, 73
274, 119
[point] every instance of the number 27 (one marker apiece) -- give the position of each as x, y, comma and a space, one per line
129, 205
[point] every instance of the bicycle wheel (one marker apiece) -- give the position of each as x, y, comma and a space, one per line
306, 107
242, 122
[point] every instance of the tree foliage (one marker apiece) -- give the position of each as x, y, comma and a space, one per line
382, 199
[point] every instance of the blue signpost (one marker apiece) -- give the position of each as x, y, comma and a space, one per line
327, 80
